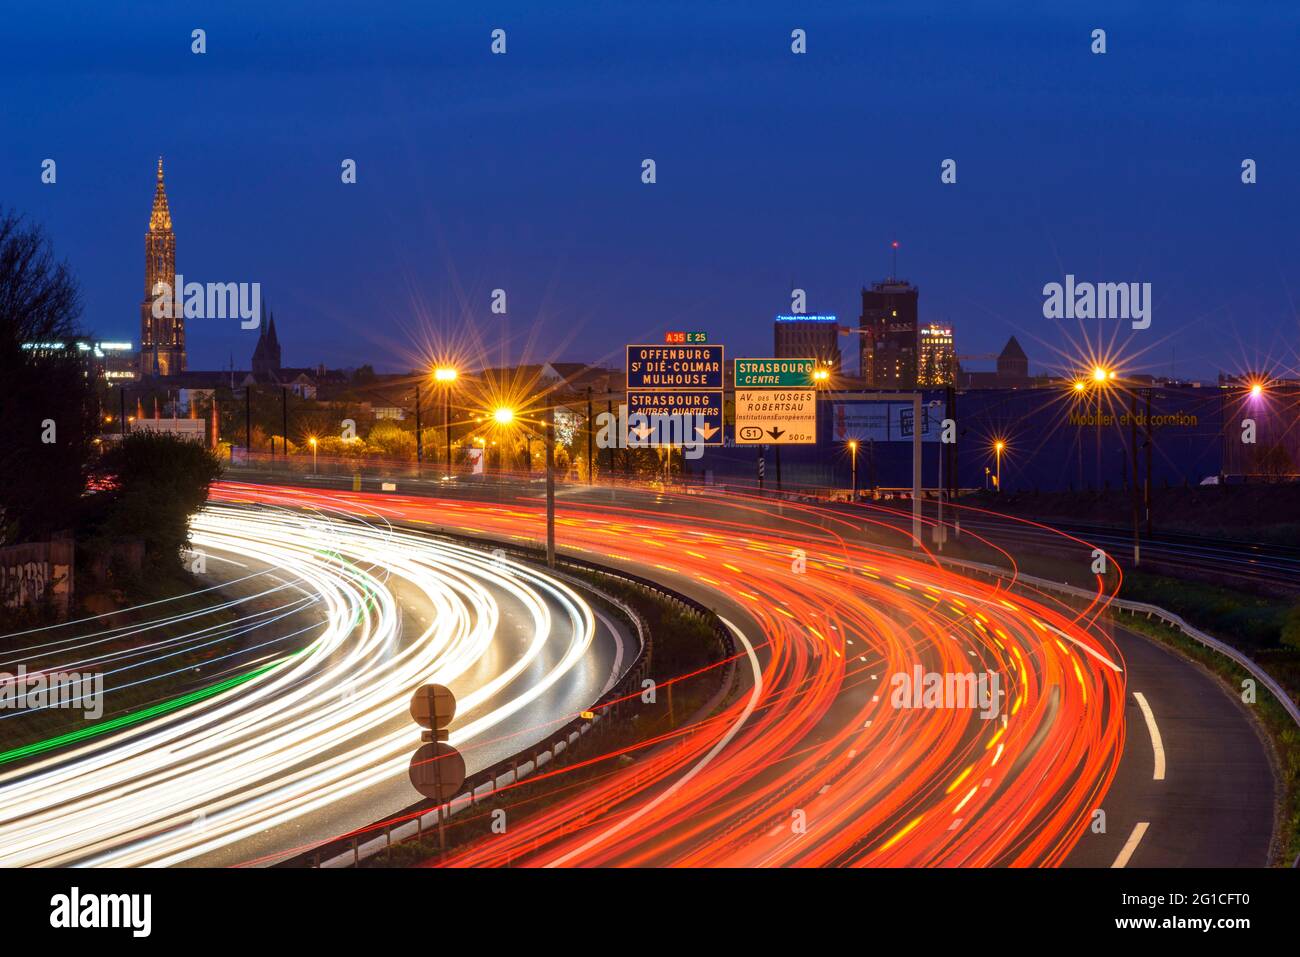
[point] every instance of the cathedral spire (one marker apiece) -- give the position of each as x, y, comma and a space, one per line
161, 218
162, 337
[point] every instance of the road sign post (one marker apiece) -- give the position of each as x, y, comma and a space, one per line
915, 399
550, 488
437, 769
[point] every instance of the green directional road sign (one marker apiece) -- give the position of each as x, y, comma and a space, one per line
775, 373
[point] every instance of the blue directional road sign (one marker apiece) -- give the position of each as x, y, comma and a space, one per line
674, 418
662, 367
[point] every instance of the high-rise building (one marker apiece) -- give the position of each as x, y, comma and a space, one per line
162, 337
889, 335
808, 337
937, 365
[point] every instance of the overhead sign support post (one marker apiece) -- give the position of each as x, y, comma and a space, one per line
915, 399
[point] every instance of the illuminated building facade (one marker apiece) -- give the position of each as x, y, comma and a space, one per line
808, 337
889, 335
162, 338
937, 363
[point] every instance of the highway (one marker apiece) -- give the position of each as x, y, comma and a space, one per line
817, 758
306, 734
811, 765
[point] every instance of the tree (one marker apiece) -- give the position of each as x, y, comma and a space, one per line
48, 408
391, 441
153, 482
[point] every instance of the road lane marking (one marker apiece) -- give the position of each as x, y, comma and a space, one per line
1156, 744
1130, 846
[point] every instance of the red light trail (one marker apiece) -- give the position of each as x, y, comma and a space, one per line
812, 764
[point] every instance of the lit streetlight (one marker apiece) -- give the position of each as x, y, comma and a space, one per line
853, 452
998, 446
312, 440
446, 375
503, 416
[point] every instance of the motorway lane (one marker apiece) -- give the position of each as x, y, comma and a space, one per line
1216, 765
1214, 804
317, 742
876, 784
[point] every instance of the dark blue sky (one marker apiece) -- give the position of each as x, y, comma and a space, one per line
523, 171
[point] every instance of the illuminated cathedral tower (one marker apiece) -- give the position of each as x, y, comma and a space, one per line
162, 338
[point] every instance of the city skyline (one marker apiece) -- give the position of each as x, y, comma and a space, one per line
412, 250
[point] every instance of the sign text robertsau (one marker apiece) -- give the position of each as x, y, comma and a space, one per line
776, 416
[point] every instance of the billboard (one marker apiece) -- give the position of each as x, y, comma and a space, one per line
882, 422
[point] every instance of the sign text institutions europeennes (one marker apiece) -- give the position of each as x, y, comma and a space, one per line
776, 402
678, 380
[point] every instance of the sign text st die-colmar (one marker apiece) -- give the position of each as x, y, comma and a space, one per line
674, 367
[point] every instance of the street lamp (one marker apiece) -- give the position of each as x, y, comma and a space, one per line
312, 440
1100, 376
446, 375
853, 452
503, 416
998, 446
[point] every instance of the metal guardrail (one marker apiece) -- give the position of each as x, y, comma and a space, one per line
1150, 611
350, 851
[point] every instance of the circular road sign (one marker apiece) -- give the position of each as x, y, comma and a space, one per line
433, 706
437, 771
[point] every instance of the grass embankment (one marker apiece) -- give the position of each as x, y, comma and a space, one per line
682, 643
1261, 512
129, 654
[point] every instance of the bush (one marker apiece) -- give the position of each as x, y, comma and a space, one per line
153, 483
391, 441
1291, 628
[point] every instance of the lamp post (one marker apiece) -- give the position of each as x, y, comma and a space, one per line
446, 375
312, 440
853, 453
503, 415
1100, 377
998, 446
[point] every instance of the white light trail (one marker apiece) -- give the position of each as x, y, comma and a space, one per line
328, 722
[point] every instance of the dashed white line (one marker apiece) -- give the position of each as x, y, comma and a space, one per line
1131, 844
1156, 744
